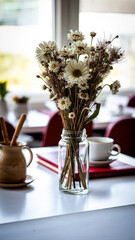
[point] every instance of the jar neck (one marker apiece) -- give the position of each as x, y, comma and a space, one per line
66, 134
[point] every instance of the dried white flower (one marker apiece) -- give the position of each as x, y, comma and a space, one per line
80, 48
64, 103
45, 48
76, 72
75, 36
71, 115
83, 86
83, 95
40, 56
71, 55
48, 47
64, 52
68, 60
114, 87
61, 75
54, 66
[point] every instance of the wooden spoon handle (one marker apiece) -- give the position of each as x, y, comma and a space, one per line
4, 131
18, 129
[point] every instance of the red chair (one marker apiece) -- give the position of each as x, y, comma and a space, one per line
131, 102
10, 130
52, 133
123, 133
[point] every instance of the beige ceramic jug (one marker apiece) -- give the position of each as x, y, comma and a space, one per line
13, 163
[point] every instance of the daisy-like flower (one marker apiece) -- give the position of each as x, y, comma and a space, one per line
64, 103
71, 115
68, 60
83, 95
45, 48
54, 66
65, 52
71, 55
61, 75
75, 36
114, 87
41, 56
80, 47
76, 72
83, 86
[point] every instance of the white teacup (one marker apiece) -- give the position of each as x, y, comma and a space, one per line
101, 148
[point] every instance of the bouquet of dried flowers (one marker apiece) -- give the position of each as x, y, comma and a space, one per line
74, 77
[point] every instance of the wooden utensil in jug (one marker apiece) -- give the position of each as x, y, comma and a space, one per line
18, 129
4, 131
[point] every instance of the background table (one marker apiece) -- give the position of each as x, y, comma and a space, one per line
36, 121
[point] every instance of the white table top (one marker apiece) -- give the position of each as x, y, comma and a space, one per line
43, 199
107, 224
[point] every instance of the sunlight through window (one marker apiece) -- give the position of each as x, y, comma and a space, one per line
23, 24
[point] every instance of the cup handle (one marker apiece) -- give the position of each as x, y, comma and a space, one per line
31, 155
118, 148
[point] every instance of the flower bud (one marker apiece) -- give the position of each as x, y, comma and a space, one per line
92, 34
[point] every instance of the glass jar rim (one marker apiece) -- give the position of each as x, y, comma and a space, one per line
74, 134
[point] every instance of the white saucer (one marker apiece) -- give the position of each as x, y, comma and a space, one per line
27, 181
101, 163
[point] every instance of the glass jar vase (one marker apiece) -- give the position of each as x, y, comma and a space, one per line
73, 162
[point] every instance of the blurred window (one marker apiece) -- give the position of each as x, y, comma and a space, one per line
23, 25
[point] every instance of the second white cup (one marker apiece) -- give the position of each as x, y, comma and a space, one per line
101, 148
